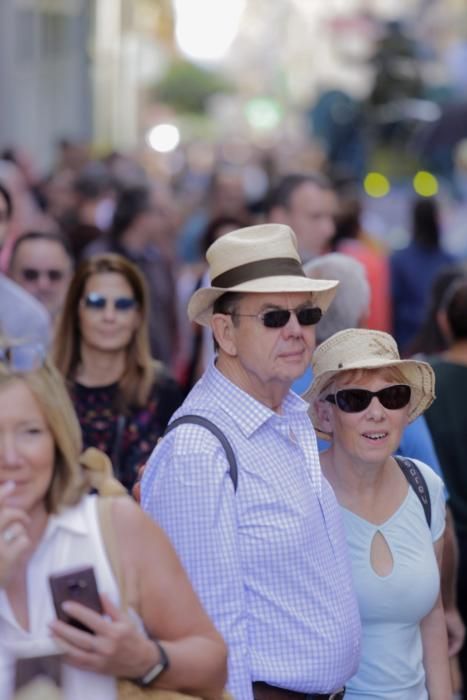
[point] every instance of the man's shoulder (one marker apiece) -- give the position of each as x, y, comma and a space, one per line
195, 423
192, 435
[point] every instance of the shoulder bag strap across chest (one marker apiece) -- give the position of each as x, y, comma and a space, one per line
417, 481
215, 430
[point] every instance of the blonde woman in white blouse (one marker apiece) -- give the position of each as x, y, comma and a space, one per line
48, 523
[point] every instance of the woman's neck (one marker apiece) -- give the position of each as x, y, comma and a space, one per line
372, 491
98, 368
349, 473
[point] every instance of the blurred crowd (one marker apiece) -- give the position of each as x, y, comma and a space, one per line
163, 222
100, 256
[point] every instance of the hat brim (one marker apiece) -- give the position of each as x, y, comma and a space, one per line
419, 375
201, 303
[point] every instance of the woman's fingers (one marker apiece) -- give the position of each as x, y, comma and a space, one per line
111, 610
14, 541
13, 525
72, 635
91, 619
7, 513
85, 656
6, 489
14, 538
114, 648
13, 529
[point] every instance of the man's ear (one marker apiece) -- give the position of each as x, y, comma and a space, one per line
223, 331
324, 412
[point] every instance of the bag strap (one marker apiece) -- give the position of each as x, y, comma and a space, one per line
213, 428
116, 456
417, 481
104, 514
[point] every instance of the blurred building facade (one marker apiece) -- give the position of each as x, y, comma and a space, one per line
45, 82
75, 69
86, 69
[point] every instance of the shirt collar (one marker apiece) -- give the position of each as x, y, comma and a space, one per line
70, 519
249, 413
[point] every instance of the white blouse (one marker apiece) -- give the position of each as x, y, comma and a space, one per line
71, 539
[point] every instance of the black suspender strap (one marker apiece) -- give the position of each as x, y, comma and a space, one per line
212, 427
416, 480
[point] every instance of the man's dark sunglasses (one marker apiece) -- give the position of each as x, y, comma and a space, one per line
278, 318
30, 274
356, 400
99, 301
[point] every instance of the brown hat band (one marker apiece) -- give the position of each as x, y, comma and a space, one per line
272, 267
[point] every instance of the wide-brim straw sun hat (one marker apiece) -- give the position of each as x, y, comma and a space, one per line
256, 259
358, 348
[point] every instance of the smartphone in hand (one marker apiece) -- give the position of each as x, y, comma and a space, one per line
78, 586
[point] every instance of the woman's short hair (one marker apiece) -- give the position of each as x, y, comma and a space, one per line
46, 384
353, 376
141, 369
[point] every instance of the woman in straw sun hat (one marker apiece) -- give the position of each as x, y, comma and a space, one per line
362, 397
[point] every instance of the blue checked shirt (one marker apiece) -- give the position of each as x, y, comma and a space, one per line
269, 562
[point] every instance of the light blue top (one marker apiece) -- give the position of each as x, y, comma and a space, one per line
391, 607
269, 562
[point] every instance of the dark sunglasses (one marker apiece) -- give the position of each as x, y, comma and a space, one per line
278, 318
99, 301
356, 400
30, 274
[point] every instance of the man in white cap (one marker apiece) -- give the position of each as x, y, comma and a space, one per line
267, 557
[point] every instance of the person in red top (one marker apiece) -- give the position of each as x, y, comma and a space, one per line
352, 240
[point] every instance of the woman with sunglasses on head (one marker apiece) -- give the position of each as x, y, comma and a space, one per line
362, 397
123, 398
49, 525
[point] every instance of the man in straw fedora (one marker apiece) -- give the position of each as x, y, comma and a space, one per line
268, 558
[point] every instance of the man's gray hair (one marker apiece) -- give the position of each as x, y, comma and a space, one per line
350, 305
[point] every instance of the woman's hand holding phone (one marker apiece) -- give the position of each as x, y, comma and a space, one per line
114, 646
14, 538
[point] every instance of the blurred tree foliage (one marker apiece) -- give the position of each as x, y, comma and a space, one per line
187, 87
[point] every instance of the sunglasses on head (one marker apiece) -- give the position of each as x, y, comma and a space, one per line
99, 301
278, 318
356, 400
30, 274
23, 358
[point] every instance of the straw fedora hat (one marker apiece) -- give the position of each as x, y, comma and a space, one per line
260, 258
359, 348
